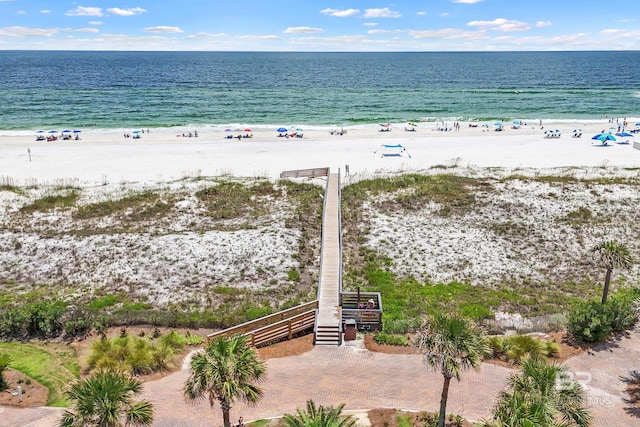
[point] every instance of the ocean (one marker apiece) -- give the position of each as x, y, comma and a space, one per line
115, 90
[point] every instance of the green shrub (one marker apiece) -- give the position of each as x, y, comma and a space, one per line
5, 360
496, 344
391, 339
103, 302
518, 347
591, 321
293, 275
134, 355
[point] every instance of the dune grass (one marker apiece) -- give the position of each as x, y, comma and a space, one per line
51, 364
66, 200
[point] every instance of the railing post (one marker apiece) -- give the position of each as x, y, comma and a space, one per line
290, 333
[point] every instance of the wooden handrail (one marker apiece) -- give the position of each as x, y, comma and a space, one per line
305, 173
252, 325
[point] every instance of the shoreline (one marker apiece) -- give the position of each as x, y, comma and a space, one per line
164, 155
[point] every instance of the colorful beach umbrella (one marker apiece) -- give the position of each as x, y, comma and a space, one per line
281, 130
247, 130
603, 137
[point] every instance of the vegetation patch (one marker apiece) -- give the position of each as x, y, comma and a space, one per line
230, 200
136, 355
391, 339
515, 348
53, 365
66, 200
410, 192
137, 207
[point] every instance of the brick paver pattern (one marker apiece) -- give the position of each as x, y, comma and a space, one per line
363, 379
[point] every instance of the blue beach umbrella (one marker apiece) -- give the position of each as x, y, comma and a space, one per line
66, 131
281, 130
603, 137
624, 134
516, 122
136, 131
77, 131
497, 124
53, 131
40, 131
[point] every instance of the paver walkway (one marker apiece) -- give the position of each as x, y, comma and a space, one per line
362, 380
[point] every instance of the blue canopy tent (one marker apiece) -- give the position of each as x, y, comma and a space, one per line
393, 150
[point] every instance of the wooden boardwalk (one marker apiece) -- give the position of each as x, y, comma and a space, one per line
328, 323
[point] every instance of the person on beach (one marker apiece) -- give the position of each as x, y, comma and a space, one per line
241, 422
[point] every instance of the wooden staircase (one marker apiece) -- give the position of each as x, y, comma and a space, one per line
328, 335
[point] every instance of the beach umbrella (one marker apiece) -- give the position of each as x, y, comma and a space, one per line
136, 131
577, 130
516, 122
247, 130
603, 137
66, 131
281, 130
53, 131
40, 131
299, 129
77, 131
624, 134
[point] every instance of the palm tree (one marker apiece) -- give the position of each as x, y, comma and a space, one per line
541, 395
227, 370
106, 400
451, 344
612, 255
320, 417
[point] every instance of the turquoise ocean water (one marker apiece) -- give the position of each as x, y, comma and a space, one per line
114, 90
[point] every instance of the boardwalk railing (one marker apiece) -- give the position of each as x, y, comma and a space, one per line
285, 329
305, 173
354, 306
267, 326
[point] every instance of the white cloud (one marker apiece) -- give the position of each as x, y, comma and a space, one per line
444, 14
27, 32
206, 35
384, 12
258, 37
501, 24
340, 13
125, 12
96, 23
541, 24
81, 30
467, 1
447, 33
85, 11
45, 11
302, 30
163, 29
21, 12
370, 24
421, 13
379, 32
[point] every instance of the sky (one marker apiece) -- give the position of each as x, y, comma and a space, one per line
320, 25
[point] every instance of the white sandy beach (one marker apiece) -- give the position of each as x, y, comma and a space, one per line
162, 156
166, 260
